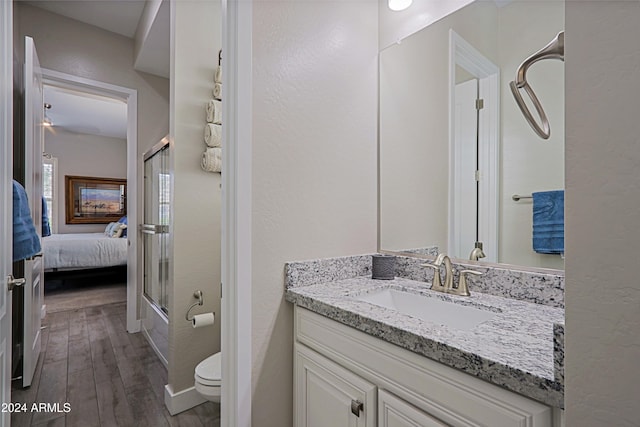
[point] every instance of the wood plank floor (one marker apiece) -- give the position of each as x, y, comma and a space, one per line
108, 376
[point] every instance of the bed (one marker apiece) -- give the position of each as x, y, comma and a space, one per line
79, 251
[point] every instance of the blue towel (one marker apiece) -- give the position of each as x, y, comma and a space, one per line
548, 222
26, 242
46, 226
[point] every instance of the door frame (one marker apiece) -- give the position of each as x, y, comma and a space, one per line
6, 169
130, 97
463, 54
237, 28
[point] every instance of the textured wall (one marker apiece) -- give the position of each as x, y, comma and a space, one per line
414, 128
197, 194
84, 155
603, 211
72, 47
396, 25
525, 27
314, 165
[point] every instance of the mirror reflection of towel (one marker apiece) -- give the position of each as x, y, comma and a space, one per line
548, 222
26, 242
46, 226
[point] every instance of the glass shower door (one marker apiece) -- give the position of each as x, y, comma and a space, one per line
155, 229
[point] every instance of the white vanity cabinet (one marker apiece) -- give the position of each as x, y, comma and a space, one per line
329, 395
395, 412
336, 365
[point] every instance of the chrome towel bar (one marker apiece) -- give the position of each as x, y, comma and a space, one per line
517, 197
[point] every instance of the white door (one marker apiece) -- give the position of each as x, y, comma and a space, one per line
465, 194
394, 412
6, 199
326, 394
34, 146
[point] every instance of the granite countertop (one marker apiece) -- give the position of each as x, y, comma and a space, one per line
514, 349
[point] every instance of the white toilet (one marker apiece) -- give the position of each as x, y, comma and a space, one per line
208, 377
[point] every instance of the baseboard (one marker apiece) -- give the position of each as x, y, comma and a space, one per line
135, 327
182, 400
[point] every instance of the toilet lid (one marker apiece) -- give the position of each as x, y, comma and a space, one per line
209, 371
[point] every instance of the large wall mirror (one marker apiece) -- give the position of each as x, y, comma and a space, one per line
434, 134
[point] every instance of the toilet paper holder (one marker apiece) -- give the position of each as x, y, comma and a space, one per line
197, 294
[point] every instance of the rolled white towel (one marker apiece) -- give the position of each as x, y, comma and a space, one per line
212, 159
213, 135
217, 76
217, 90
214, 111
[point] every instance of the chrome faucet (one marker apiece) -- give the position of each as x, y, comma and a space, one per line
436, 284
477, 252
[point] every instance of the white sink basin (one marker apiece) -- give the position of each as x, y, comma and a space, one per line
432, 310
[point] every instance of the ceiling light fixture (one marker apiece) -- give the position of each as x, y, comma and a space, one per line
398, 5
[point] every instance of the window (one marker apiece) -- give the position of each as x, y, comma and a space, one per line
50, 189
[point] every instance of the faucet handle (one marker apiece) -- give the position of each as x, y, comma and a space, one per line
439, 259
436, 283
463, 288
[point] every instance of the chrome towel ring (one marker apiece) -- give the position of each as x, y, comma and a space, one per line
553, 50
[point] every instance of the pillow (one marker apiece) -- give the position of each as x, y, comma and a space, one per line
123, 220
109, 230
118, 229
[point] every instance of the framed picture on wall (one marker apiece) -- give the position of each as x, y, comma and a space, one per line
90, 200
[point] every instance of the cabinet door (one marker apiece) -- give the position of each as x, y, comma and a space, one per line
394, 412
327, 395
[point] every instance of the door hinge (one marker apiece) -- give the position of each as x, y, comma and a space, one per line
479, 104
477, 176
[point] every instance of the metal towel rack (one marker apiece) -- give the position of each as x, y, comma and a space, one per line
517, 197
553, 50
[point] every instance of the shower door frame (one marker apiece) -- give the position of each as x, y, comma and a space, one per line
163, 145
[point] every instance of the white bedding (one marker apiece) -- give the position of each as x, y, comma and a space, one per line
83, 250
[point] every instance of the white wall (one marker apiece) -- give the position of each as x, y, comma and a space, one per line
529, 163
396, 25
84, 155
414, 135
72, 47
196, 215
314, 165
414, 127
603, 210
